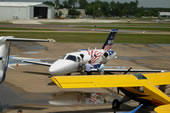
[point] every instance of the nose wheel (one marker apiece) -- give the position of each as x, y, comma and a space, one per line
115, 104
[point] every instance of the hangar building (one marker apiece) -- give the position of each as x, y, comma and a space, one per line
164, 14
25, 10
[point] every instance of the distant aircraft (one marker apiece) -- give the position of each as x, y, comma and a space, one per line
72, 62
139, 87
5, 51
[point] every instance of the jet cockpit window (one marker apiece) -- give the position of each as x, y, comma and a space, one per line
71, 57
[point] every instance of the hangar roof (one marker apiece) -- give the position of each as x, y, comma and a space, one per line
20, 3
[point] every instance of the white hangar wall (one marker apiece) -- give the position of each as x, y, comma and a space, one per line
25, 10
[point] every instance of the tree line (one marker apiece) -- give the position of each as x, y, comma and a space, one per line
108, 9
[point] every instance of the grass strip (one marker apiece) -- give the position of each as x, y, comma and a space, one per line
92, 37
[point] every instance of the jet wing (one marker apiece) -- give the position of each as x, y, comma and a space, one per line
127, 70
37, 62
99, 81
11, 38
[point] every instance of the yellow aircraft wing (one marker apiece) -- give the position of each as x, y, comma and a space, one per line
159, 78
163, 109
148, 81
96, 81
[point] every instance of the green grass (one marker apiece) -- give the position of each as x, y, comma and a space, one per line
143, 38
9, 28
111, 24
121, 26
99, 27
145, 28
5, 22
92, 37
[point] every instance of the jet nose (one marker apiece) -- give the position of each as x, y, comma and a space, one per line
61, 67
52, 69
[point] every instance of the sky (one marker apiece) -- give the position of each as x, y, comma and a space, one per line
147, 3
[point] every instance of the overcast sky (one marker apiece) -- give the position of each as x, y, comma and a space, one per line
147, 3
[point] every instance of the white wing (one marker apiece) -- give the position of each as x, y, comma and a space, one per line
37, 62
127, 70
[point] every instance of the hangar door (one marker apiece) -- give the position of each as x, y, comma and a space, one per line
40, 12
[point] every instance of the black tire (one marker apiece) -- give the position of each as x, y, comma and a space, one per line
68, 74
115, 104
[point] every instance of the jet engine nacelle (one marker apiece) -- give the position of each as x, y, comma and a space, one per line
108, 55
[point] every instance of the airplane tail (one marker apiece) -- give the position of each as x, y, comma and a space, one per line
109, 42
5, 52
4, 58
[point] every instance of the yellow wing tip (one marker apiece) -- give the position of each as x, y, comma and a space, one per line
162, 109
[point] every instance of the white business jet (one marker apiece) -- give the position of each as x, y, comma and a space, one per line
72, 62
5, 51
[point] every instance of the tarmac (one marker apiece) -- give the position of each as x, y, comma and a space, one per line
28, 87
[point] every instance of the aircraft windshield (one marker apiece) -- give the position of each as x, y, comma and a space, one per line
71, 57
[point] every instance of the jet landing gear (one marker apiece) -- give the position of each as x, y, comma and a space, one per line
115, 104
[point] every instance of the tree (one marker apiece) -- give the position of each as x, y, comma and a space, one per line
49, 3
113, 8
73, 12
66, 4
57, 4
128, 9
83, 4
105, 9
96, 9
72, 3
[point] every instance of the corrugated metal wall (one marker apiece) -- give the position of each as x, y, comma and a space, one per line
14, 13
26, 0
18, 12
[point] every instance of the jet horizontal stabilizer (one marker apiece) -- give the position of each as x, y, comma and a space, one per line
11, 38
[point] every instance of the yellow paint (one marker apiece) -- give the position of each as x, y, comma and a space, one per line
110, 80
101, 81
163, 109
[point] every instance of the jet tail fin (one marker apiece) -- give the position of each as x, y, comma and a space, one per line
4, 58
5, 52
109, 42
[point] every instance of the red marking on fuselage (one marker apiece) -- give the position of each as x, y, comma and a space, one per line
91, 52
96, 56
88, 52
